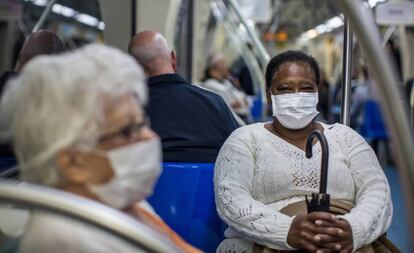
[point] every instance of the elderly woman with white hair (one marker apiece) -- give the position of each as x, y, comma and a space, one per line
77, 124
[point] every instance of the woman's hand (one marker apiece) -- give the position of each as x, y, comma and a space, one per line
334, 235
303, 232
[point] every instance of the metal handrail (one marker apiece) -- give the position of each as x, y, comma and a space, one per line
123, 226
250, 58
45, 14
346, 75
264, 56
11, 172
369, 39
247, 55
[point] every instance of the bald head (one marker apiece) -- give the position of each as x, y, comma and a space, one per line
40, 43
151, 50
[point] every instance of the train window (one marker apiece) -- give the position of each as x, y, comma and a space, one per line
183, 38
75, 22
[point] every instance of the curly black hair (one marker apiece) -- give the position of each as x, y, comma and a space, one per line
290, 56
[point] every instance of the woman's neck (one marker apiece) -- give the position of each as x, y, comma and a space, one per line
293, 134
295, 137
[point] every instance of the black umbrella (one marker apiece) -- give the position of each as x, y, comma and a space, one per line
319, 201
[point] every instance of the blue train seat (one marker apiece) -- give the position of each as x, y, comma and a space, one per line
256, 109
373, 127
184, 198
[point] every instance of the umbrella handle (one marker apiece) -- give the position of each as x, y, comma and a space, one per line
318, 202
325, 157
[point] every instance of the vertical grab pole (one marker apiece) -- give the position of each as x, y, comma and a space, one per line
45, 14
346, 74
133, 17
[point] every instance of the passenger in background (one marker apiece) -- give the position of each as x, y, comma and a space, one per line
240, 70
324, 94
42, 42
362, 93
193, 123
81, 128
217, 80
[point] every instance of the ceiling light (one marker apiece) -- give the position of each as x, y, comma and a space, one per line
63, 10
87, 19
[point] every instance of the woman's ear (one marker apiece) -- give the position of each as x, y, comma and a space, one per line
71, 166
268, 95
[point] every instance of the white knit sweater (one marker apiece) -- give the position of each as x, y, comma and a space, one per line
257, 173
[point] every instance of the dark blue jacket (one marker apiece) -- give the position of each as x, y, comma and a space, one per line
193, 123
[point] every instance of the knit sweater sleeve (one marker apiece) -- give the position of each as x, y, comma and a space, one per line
372, 214
234, 173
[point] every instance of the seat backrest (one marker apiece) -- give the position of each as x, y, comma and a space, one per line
184, 198
373, 126
257, 108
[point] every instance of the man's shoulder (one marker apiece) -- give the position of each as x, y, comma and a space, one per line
195, 90
201, 90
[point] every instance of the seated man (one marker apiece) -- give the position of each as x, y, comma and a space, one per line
81, 128
217, 79
193, 123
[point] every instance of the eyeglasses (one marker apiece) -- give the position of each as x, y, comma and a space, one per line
126, 132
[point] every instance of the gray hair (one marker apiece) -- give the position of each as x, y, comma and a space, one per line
56, 102
151, 52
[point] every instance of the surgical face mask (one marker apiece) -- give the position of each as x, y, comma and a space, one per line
295, 110
136, 169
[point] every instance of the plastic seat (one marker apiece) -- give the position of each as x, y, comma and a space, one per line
373, 127
184, 198
256, 109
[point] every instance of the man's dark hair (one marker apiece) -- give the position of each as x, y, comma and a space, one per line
290, 57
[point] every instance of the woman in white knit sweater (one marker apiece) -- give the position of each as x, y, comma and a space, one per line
262, 168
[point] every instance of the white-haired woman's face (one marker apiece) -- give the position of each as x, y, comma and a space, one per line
123, 126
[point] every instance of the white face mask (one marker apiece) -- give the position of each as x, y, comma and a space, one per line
295, 110
136, 169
